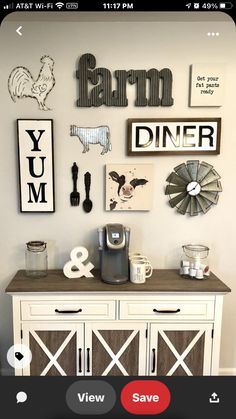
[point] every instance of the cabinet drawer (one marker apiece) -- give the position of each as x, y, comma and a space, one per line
67, 310
164, 309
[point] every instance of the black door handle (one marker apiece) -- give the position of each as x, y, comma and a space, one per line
80, 360
88, 359
166, 311
153, 359
68, 311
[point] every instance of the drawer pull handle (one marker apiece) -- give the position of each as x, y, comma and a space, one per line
80, 360
88, 359
68, 311
153, 360
166, 311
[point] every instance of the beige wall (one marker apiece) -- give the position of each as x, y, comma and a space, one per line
160, 42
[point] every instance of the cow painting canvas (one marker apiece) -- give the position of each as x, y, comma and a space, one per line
129, 187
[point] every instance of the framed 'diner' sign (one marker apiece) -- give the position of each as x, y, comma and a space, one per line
173, 136
36, 171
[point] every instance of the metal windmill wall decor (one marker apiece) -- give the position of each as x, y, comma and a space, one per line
193, 187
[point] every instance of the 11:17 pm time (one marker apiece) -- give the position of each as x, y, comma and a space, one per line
116, 6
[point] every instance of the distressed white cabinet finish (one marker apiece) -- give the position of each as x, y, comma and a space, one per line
167, 326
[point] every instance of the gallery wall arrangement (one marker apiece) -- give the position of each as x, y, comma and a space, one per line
128, 187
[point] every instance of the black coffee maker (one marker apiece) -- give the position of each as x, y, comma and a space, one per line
114, 253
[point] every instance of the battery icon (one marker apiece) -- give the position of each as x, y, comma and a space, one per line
225, 6
72, 6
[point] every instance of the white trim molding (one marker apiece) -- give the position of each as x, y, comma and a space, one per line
227, 371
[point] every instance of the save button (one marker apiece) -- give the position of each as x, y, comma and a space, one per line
145, 397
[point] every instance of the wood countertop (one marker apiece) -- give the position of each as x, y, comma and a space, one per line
162, 280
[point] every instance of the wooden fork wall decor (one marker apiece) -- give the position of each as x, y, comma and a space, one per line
74, 196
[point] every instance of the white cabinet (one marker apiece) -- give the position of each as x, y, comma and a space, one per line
85, 348
167, 326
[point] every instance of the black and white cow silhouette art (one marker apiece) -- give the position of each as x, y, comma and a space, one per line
126, 188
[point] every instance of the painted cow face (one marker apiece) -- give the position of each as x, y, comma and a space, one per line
126, 188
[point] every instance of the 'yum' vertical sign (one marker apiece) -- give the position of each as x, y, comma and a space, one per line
36, 172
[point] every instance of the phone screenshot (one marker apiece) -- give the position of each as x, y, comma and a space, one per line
117, 210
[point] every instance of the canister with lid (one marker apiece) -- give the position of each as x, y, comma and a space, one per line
36, 260
194, 262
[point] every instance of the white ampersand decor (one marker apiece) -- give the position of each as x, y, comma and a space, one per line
75, 268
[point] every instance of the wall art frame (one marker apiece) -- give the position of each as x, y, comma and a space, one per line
129, 187
177, 136
207, 84
36, 165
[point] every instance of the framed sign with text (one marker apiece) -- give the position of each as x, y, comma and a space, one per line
36, 171
207, 84
173, 136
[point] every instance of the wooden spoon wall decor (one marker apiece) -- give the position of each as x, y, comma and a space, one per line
87, 204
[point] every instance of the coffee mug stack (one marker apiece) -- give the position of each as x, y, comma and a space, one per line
140, 268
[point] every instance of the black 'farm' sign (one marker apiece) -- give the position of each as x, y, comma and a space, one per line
157, 83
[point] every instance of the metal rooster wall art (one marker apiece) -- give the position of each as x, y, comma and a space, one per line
21, 83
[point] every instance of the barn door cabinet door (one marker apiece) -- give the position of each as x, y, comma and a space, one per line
180, 349
57, 349
107, 349
115, 349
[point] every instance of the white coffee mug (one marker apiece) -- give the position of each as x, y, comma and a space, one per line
142, 259
137, 256
139, 271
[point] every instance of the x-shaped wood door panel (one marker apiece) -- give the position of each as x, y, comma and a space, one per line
116, 348
180, 349
115, 357
180, 358
53, 358
54, 348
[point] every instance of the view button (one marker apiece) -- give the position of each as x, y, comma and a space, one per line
90, 397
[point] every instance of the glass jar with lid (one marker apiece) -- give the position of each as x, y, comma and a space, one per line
36, 260
194, 262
